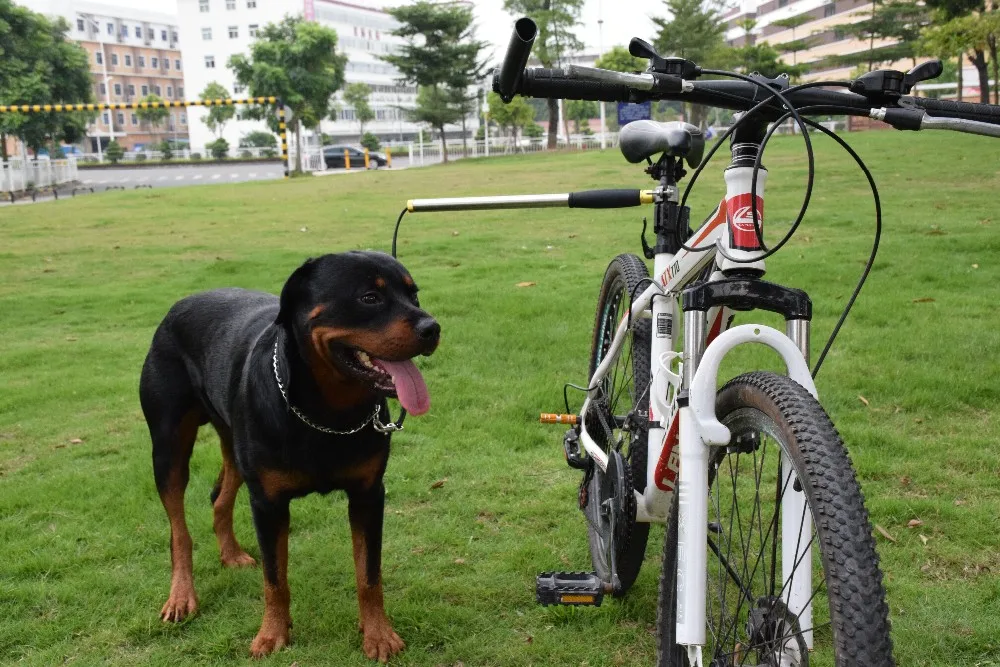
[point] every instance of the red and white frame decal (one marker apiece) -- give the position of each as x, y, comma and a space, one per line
739, 215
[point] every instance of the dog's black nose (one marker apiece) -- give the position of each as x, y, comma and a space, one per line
428, 330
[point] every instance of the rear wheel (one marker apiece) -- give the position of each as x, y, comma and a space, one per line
774, 419
618, 421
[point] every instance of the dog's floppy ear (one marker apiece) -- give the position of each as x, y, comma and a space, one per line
293, 291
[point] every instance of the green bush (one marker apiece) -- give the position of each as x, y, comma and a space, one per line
140, 157
245, 154
195, 156
114, 152
219, 148
167, 150
370, 141
269, 152
533, 131
258, 139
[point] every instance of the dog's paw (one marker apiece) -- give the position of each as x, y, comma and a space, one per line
182, 603
238, 559
267, 642
381, 642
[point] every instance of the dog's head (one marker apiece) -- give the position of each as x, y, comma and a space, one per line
357, 313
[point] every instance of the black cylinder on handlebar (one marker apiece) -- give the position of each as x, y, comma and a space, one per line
516, 58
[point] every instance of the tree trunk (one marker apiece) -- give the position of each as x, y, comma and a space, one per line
979, 61
465, 137
3, 146
553, 122
961, 64
444, 145
996, 69
298, 145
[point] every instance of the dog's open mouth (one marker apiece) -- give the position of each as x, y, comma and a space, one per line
400, 379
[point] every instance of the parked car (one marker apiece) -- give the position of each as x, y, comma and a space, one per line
334, 157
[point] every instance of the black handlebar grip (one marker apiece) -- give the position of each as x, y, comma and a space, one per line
608, 198
553, 83
509, 75
984, 113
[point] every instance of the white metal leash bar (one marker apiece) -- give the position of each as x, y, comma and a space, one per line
372, 418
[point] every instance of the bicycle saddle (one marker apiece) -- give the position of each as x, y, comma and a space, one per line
643, 139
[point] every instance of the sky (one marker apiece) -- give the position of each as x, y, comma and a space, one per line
623, 19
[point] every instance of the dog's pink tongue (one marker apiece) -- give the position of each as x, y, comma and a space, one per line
410, 386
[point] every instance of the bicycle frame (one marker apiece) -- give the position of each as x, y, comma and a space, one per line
681, 431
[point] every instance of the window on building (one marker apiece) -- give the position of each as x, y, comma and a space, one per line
124, 32
163, 35
118, 90
114, 58
782, 3
155, 62
252, 29
173, 36
138, 32
180, 91
151, 34
128, 60
234, 32
170, 92
206, 33
131, 90
210, 62
121, 118
104, 88
106, 118
177, 65
184, 119
145, 91
156, 89
251, 4
238, 89
135, 120
142, 61
111, 28
830, 9
203, 5
98, 57
230, 5
80, 25
166, 63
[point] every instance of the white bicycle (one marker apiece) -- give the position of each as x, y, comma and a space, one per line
769, 557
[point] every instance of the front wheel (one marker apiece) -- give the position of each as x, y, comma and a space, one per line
750, 619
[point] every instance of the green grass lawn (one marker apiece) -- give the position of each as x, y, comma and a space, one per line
84, 564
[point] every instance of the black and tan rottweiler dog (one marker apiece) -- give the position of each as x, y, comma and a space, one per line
295, 387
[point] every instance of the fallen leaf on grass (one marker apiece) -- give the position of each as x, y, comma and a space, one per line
863, 400
918, 420
885, 533
913, 523
959, 502
459, 561
454, 233
76, 441
526, 284
924, 538
905, 480
564, 560
529, 639
60, 447
924, 299
572, 236
72, 339
438, 484
975, 266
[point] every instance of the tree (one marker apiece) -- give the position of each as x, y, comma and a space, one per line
114, 152
955, 22
580, 111
39, 65
513, 116
442, 57
219, 148
217, 116
295, 60
620, 60
794, 45
556, 20
152, 115
356, 95
258, 139
897, 21
693, 31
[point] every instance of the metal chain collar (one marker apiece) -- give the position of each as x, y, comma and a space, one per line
372, 418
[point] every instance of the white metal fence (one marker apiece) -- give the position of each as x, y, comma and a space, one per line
17, 174
183, 154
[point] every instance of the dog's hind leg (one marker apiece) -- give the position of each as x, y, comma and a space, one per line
223, 498
173, 416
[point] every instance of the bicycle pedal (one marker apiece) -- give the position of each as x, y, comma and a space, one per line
569, 588
571, 448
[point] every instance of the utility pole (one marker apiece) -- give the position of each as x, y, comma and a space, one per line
107, 89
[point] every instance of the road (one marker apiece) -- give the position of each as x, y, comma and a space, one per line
171, 177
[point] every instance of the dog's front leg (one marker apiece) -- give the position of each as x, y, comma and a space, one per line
270, 518
365, 508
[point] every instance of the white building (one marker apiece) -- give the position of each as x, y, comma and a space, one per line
213, 30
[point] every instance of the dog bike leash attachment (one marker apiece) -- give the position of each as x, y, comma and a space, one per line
613, 198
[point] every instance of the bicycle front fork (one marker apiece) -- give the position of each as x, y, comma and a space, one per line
699, 430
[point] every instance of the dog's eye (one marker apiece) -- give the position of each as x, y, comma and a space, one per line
371, 298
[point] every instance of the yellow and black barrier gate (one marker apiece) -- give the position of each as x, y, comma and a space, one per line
106, 106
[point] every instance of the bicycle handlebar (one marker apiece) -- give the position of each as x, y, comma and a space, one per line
512, 78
